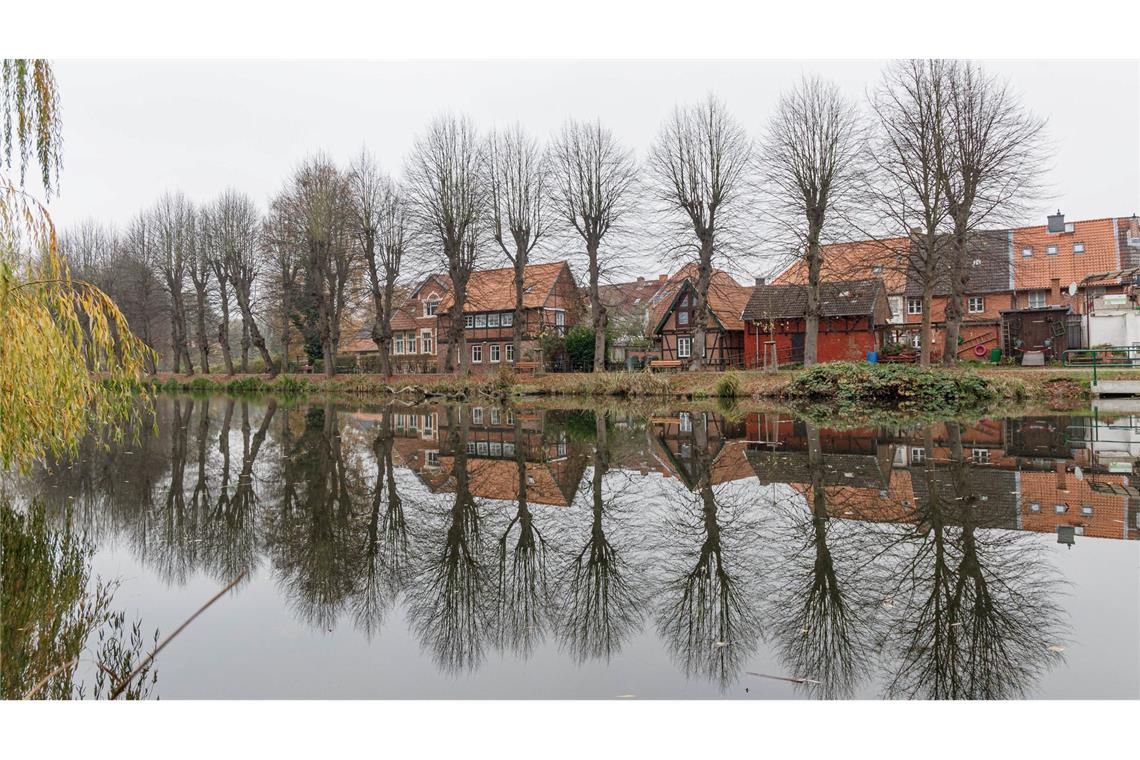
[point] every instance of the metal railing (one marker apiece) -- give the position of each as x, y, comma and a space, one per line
1102, 357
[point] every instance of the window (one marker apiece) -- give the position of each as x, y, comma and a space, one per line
684, 348
914, 306
510, 352
685, 422
482, 448
477, 354
411, 343
877, 269
1087, 510
496, 449
1026, 253
980, 456
1078, 247
471, 447
1051, 250
560, 318
494, 353
508, 449
468, 321
1037, 299
399, 343
429, 425
496, 416
916, 339
476, 415
976, 304
917, 455
1060, 509
427, 342
682, 317
431, 306
897, 309
431, 458
508, 319
1034, 507
492, 320
480, 320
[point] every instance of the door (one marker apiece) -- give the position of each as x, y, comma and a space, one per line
797, 356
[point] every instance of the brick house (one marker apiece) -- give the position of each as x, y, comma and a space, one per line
627, 308
854, 320
415, 330
671, 318
552, 304
1012, 272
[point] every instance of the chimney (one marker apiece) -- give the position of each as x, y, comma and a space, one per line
1055, 286
1056, 222
761, 281
640, 280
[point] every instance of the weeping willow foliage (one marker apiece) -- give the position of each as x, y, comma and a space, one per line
66, 351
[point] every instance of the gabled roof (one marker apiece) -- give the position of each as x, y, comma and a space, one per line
857, 260
845, 298
726, 297
989, 266
629, 296
494, 289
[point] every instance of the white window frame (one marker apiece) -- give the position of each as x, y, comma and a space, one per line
477, 353
685, 422
496, 449
1086, 510
1051, 249
980, 302
431, 458
685, 315
1035, 507
508, 449
493, 353
476, 415
431, 307
898, 309
980, 456
398, 347
468, 321
1027, 252
687, 351
480, 321
559, 317
1078, 248
481, 448
410, 343
913, 305
1041, 295
496, 415
917, 455
1060, 508
508, 319
493, 320
427, 341
510, 353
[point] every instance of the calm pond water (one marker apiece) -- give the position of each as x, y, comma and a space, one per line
486, 552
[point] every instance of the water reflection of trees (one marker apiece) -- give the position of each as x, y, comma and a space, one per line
710, 573
933, 603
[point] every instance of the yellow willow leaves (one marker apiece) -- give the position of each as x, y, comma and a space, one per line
67, 357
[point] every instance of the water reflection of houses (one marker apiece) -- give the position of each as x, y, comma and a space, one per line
496, 439
1038, 473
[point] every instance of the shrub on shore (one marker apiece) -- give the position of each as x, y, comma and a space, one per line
895, 384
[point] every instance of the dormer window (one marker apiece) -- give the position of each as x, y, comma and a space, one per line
1051, 250
480, 320
1078, 247
431, 306
1026, 253
877, 269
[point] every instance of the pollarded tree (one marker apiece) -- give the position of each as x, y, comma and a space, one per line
172, 224
910, 108
383, 231
993, 163
812, 174
448, 201
594, 181
235, 236
201, 271
698, 165
517, 170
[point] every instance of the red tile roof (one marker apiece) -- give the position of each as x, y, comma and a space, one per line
494, 289
727, 297
1101, 253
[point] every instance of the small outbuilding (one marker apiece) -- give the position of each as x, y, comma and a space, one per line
854, 320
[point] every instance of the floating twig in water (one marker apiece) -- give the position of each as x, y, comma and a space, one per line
783, 678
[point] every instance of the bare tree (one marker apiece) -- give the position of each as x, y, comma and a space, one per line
516, 181
317, 204
284, 249
993, 166
201, 270
593, 191
383, 231
910, 106
698, 166
172, 220
448, 197
811, 170
237, 235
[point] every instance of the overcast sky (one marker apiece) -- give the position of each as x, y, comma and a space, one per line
135, 129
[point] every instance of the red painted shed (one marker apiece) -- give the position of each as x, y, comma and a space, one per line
854, 318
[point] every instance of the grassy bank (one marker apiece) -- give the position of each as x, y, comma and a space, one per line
836, 383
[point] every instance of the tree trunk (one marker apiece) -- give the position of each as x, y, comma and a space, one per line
520, 314
254, 336
699, 315
925, 332
456, 345
244, 339
959, 273
597, 308
224, 331
811, 317
203, 343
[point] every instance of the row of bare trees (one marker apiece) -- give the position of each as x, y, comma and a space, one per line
941, 150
